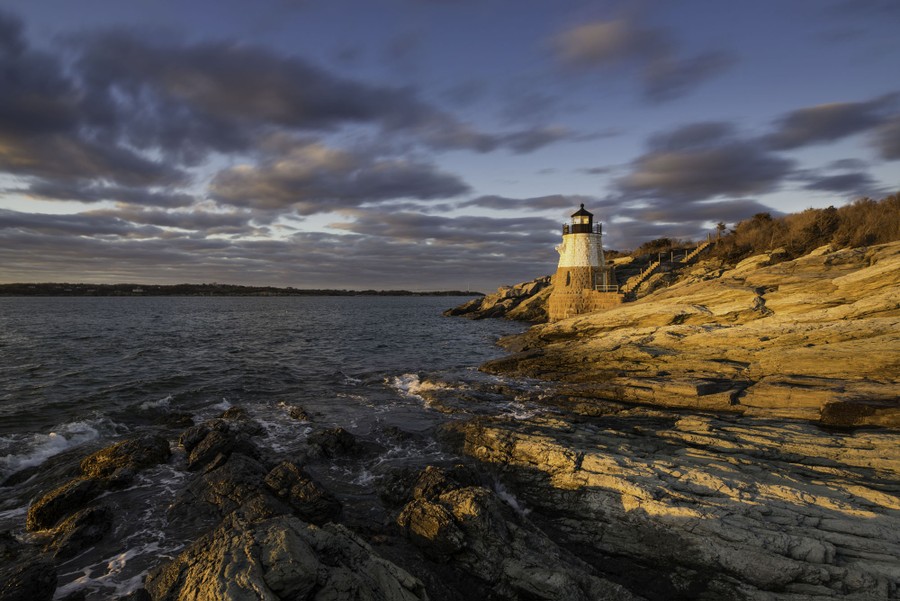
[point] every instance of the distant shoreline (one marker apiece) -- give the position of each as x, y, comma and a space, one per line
54, 289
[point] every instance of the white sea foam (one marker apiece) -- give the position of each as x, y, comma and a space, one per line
162, 403
410, 385
511, 500
224, 405
34, 449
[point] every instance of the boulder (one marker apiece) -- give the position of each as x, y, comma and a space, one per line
126, 456
24, 575
51, 508
80, 530
309, 501
281, 558
471, 529
332, 442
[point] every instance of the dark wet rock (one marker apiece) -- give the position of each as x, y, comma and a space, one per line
174, 419
192, 436
299, 413
395, 487
237, 484
281, 558
432, 481
471, 529
31, 580
79, 595
24, 574
20, 476
234, 413
209, 444
333, 442
51, 508
212, 445
140, 594
80, 530
127, 456
308, 500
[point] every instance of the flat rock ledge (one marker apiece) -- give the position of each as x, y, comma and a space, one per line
706, 507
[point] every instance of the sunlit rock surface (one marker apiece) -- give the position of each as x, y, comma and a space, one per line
524, 302
678, 506
813, 338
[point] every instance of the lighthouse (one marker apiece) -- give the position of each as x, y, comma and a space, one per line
583, 282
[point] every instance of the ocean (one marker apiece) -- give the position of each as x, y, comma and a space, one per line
77, 374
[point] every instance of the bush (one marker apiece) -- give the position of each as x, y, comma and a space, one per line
861, 223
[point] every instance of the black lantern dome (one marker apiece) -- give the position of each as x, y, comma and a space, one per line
582, 221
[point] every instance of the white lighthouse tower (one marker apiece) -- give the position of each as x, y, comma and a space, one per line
583, 282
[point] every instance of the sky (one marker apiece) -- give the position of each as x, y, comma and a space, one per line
422, 144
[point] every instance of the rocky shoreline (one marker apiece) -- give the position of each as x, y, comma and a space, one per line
733, 436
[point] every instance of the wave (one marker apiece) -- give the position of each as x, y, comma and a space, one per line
34, 449
410, 385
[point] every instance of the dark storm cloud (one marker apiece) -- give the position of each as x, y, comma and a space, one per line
691, 218
462, 231
93, 193
312, 178
45, 127
666, 75
703, 161
856, 183
207, 222
829, 122
887, 139
485, 251
188, 98
74, 225
539, 203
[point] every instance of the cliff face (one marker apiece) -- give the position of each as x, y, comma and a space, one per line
813, 338
523, 302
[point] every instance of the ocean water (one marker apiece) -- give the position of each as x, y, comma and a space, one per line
79, 373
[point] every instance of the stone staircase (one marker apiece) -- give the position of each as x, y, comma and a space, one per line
631, 285
629, 289
690, 256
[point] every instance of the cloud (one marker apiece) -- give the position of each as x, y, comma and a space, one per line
49, 190
829, 122
703, 161
887, 139
378, 250
668, 78
857, 183
665, 74
312, 178
539, 203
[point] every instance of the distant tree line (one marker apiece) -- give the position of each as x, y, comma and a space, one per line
65, 289
862, 223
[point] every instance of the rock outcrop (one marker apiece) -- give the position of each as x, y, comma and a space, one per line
281, 558
68, 518
472, 530
813, 338
523, 302
700, 507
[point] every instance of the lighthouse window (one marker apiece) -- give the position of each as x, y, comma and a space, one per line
568, 278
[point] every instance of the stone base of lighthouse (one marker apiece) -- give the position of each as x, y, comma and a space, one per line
574, 293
